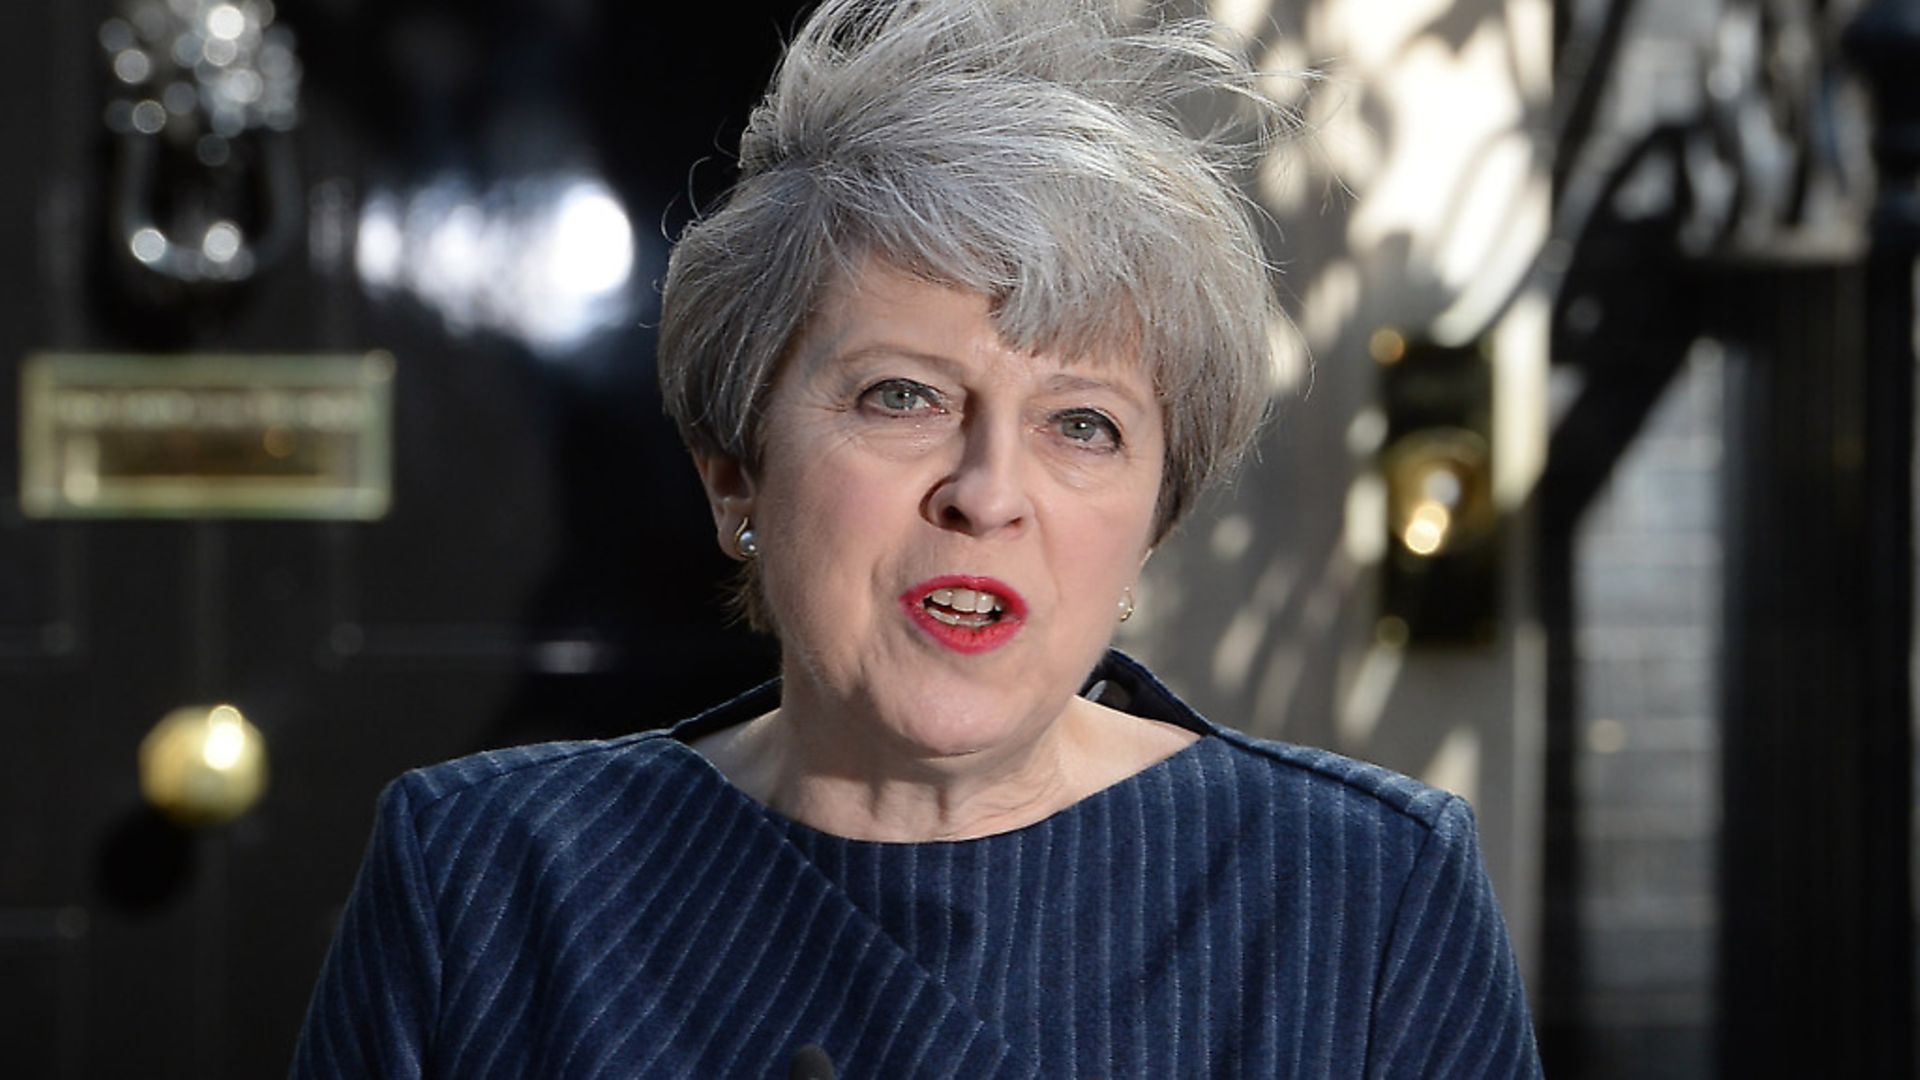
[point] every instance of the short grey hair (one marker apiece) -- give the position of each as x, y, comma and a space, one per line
1039, 152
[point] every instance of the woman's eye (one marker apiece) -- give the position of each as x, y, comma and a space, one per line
1090, 428
899, 395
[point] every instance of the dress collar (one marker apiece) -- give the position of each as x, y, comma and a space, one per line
1118, 681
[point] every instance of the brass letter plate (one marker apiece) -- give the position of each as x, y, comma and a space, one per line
267, 436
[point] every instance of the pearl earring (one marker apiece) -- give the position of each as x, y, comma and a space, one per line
745, 541
1126, 603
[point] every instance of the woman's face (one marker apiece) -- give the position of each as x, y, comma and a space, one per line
946, 526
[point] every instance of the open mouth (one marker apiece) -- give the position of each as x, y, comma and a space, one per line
966, 614
971, 608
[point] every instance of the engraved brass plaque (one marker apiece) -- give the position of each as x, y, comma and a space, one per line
268, 436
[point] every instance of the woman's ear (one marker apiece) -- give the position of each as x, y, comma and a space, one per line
729, 493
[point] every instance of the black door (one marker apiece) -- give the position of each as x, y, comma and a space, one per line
480, 190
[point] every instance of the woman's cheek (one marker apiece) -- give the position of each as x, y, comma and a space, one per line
900, 440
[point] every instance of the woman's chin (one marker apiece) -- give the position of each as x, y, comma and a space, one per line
954, 732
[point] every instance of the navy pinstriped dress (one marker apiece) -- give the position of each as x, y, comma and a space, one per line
618, 909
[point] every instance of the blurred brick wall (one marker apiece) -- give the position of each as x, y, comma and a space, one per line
1647, 589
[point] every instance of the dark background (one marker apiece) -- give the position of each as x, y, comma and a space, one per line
547, 569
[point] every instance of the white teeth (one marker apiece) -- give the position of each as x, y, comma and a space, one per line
964, 601
973, 620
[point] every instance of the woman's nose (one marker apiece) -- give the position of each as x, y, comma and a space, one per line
987, 490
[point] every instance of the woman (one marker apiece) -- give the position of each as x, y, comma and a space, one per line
975, 327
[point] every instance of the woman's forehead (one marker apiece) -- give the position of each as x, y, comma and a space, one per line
879, 310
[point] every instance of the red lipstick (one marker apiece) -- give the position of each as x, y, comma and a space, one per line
946, 618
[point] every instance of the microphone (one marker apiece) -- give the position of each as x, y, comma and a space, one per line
810, 1063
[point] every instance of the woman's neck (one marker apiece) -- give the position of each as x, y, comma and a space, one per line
802, 769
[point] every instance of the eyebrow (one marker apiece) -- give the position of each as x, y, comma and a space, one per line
1067, 382
897, 352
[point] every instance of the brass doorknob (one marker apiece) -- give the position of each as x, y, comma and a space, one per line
203, 765
1439, 491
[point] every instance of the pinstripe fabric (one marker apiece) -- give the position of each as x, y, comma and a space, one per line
617, 909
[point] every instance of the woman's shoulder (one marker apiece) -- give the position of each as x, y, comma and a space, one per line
1302, 778
605, 760
1322, 778
506, 773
